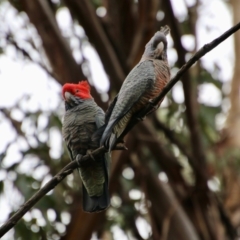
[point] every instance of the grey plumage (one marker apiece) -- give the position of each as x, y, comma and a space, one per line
82, 118
142, 84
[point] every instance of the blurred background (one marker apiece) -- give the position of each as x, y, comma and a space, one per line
180, 177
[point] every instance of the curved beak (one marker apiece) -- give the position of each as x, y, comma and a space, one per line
67, 96
160, 47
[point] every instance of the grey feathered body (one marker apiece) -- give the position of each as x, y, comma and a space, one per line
81, 120
143, 83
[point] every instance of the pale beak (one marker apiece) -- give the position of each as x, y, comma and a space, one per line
160, 47
67, 96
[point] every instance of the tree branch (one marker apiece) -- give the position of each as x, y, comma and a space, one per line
200, 53
232, 125
11, 40
68, 169
12, 221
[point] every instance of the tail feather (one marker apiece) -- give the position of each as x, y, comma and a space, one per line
96, 204
112, 141
107, 137
107, 133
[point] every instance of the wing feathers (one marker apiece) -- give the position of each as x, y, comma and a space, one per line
139, 81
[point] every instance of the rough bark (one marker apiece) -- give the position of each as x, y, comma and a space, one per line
232, 127
229, 147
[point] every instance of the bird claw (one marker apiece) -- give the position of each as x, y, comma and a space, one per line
79, 160
79, 157
120, 147
89, 153
151, 102
141, 118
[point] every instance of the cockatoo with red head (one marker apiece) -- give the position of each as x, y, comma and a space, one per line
82, 118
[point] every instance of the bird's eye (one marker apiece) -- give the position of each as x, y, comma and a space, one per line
77, 91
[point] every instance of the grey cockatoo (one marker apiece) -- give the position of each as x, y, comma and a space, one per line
141, 86
82, 118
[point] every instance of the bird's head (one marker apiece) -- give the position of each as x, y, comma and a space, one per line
72, 91
156, 48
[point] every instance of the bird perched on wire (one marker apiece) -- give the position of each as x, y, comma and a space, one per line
82, 118
142, 85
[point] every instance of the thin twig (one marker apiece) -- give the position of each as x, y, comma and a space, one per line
12, 221
167, 222
27, 55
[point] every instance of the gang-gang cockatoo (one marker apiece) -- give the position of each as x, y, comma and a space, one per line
82, 118
142, 85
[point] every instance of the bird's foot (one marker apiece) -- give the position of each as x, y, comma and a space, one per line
141, 118
151, 103
120, 147
79, 159
89, 153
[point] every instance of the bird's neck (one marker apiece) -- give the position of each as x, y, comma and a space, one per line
148, 58
75, 102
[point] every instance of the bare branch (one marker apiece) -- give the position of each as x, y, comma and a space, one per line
12, 221
232, 126
44, 190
